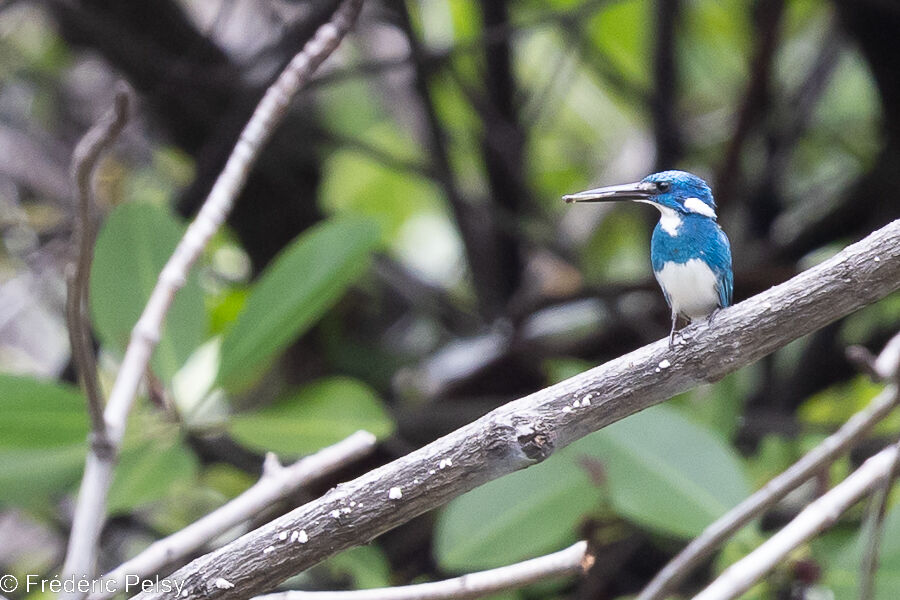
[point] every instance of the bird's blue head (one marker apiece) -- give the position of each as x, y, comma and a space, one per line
676, 190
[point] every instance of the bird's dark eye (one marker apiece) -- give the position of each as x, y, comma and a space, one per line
663, 186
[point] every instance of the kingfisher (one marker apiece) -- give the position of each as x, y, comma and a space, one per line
690, 254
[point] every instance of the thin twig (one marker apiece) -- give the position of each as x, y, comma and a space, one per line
818, 516
276, 483
526, 431
770, 494
573, 560
875, 528
87, 153
91, 507
887, 365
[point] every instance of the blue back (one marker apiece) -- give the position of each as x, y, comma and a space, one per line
698, 237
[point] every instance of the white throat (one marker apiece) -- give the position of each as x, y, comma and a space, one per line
669, 219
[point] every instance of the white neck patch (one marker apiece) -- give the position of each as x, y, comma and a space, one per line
669, 219
696, 205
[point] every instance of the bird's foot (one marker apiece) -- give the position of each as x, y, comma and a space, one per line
712, 315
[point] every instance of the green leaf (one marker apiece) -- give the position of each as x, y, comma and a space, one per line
133, 246
666, 472
518, 516
146, 471
30, 477
303, 282
321, 413
40, 414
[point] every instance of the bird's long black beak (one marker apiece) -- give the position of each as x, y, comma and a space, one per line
630, 191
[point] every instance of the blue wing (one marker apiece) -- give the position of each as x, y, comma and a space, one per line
720, 261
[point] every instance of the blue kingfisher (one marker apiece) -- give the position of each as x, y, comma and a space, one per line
690, 253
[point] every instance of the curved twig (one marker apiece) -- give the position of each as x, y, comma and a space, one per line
91, 506
573, 560
87, 153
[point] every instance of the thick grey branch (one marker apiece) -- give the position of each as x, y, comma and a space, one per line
276, 483
528, 430
572, 560
91, 506
770, 494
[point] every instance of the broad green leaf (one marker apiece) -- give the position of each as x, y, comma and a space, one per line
518, 516
40, 414
303, 282
667, 473
147, 470
30, 477
132, 248
316, 415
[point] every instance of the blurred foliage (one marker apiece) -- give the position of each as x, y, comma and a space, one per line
298, 353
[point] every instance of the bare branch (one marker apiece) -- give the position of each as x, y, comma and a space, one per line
528, 430
816, 517
573, 560
90, 509
887, 365
713, 536
875, 529
84, 159
276, 483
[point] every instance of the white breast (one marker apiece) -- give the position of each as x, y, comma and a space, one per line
691, 287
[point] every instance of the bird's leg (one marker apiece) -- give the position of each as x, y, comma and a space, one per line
712, 315
672, 333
